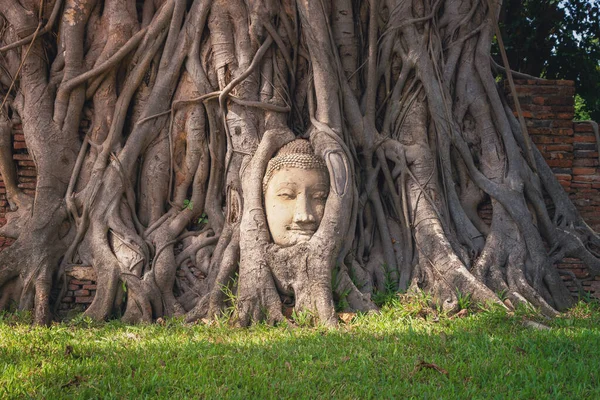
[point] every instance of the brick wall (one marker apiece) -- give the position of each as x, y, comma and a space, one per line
81, 288
26, 175
569, 148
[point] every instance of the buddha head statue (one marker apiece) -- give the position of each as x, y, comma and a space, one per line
295, 189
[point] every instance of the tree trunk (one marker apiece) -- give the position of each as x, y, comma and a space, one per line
187, 103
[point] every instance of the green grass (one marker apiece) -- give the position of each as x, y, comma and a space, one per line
490, 354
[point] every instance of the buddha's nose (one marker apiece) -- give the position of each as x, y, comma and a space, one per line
303, 212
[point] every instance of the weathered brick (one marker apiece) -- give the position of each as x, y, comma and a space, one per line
583, 171
84, 300
585, 162
78, 282
564, 115
584, 146
537, 123
560, 163
81, 293
564, 82
559, 147
563, 177
580, 185
564, 131
26, 172
583, 127
586, 178
562, 124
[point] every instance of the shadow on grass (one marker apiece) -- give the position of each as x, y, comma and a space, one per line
490, 355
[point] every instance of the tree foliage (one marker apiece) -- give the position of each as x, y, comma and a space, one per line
556, 40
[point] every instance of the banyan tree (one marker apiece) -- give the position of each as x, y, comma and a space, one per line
383, 118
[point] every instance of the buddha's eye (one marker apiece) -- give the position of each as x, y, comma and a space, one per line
322, 196
286, 195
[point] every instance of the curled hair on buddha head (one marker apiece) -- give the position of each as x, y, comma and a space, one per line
298, 153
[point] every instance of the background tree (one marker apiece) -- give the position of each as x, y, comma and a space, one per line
187, 102
556, 40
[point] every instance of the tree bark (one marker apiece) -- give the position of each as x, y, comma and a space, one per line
188, 101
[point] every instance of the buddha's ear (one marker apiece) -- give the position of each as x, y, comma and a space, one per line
339, 172
327, 145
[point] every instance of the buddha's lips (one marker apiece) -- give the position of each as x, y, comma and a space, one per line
302, 232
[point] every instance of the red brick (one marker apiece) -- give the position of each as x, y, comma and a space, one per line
559, 147
551, 139
19, 138
568, 116
19, 145
81, 293
581, 185
84, 300
22, 156
27, 185
27, 172
583, 127
563, 177
539, 100
78, 282
585, 162
583, 171
540, 131
584, 139
526, 114
565, 131
26, 163
89, 287
562, 124
560, 163
67, 299
73, 287
565, 82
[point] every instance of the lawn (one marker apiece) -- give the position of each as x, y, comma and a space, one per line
406, 351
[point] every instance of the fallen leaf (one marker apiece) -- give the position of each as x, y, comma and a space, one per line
346, 317
461, 314
76, 381
422, 364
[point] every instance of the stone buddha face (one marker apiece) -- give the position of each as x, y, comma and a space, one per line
295, 188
